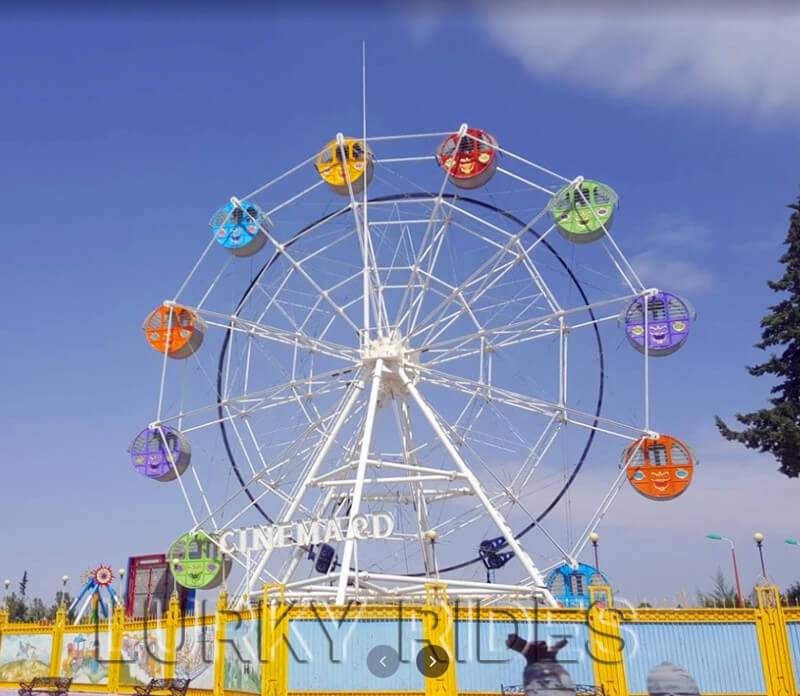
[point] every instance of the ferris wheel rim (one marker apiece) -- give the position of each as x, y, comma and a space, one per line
416, 196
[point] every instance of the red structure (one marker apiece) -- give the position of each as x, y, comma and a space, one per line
150, 586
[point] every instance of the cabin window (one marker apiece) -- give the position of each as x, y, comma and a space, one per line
179, 550
466, 145
195, 549
557, 587
637, 456
358, 151
601, 195
576, 584
679, 454
579, 199
677, 310
658, 455
172, 441
635, 314
563, 201
326, 157
656, 310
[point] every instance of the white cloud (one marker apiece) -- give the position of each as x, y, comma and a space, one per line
680, 275
742, 58
673, 239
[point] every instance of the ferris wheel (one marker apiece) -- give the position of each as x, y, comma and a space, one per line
387, 368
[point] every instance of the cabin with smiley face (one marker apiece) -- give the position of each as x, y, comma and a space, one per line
666, 320
161, 453
346, 166
470, 158
174, 330
197, 563
659, 468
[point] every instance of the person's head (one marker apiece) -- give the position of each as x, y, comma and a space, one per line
667, 679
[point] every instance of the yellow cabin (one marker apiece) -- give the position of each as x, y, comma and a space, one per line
336, 163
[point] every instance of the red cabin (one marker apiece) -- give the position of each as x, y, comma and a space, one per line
470, 160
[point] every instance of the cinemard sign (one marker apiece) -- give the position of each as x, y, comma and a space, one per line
379, 525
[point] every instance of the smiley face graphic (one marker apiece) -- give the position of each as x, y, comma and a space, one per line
659, 469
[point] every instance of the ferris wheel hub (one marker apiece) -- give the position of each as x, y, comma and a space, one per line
396, 358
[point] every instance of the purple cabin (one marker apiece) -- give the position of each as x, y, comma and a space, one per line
669, 319
155, 450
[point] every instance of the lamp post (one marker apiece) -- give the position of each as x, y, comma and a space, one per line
64, 581
594, 538
758, 537
719, 537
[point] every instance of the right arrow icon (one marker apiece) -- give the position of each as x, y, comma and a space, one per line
433, 661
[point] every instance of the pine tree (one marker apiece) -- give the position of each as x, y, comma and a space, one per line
23, 585
777, 429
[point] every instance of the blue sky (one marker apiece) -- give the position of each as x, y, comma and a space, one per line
122, 134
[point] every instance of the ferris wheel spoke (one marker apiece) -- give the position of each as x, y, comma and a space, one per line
599, 513
430, 248
514, 333
527, 403
272, 333
270, 398
491, 510
339, 417
485, 277
283, 250
513, 498
287, 457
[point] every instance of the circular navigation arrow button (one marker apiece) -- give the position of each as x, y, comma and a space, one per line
383, 661
433, 661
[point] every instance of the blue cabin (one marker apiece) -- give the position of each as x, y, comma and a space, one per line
571, 587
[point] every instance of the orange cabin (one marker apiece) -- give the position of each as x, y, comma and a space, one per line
176, 330
659, 469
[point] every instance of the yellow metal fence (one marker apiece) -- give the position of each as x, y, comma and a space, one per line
614, 661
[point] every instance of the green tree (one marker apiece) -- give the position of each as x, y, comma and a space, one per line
35, 611
721, 595
777, 429
793, 594
23, 585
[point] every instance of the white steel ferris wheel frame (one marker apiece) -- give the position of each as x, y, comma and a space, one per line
386, 360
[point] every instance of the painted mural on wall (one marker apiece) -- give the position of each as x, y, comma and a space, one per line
25, 655
143, 654
194, 658
242, 670
84, 662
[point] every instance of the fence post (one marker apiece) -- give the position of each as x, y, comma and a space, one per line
58, 639
219, 653
3, 622
115, 656
173, 620
438, 629
274, 634
773, 642
605, 644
